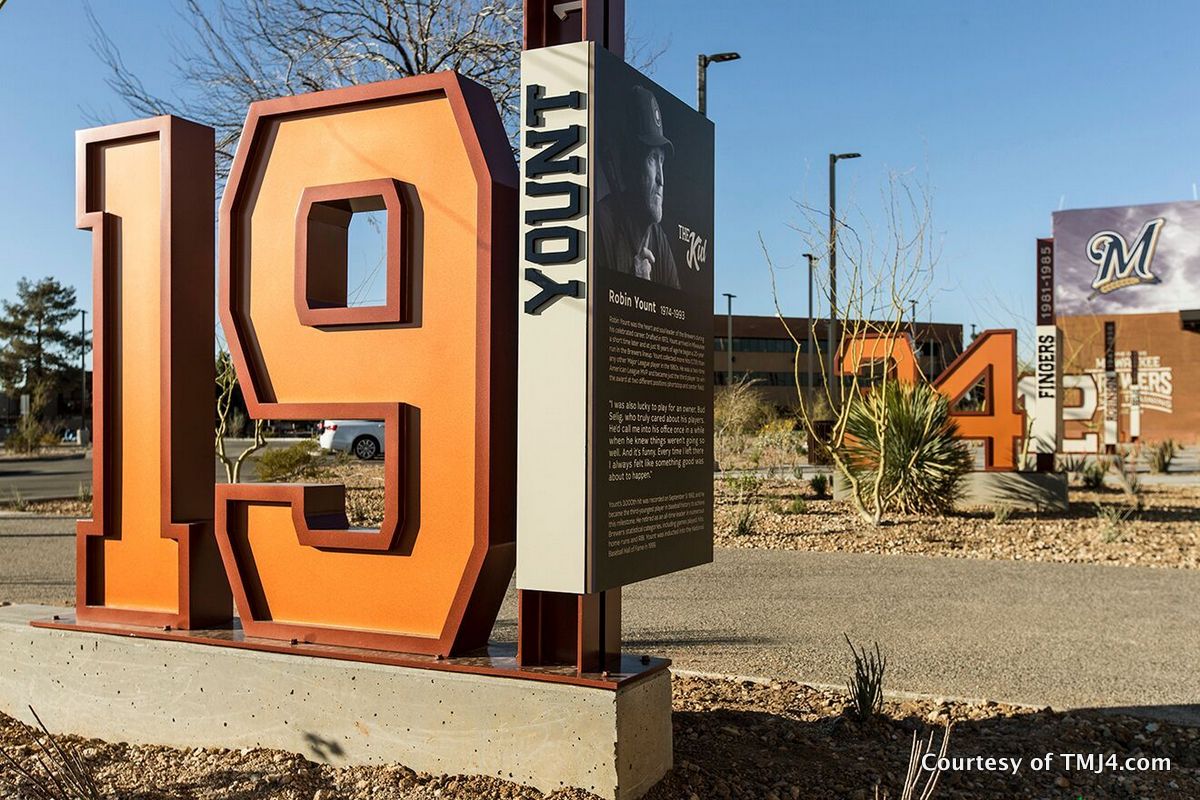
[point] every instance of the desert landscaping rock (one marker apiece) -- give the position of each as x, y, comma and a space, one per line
1165, 532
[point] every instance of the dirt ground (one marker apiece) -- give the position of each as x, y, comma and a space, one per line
1101, 527
733, 739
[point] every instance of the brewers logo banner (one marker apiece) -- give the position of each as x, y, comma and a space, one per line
1127, 259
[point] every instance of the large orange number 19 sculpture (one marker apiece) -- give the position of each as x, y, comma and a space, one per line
435, 361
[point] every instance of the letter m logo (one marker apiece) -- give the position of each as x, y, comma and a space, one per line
1118, 264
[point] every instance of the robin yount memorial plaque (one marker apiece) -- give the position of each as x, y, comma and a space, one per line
615, 378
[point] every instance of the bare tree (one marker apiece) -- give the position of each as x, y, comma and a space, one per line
226, 383
250, 50
881, 270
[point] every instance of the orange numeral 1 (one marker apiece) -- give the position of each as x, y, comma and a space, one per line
147, 556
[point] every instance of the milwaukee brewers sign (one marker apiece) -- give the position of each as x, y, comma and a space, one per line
1128, 260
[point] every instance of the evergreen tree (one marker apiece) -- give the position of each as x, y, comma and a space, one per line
40, 356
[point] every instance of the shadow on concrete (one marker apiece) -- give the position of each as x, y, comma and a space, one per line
322, 749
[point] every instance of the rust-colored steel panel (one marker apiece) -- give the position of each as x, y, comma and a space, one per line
551, 22
438, 367
894, 350
148, 556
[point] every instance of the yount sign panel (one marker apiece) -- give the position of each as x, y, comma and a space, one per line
615, 390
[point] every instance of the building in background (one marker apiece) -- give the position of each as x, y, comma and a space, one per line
1138, 268
764, 352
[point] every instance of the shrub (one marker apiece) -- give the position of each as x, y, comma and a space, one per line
1161, 455
902, 442
740, 409
819, 484
300, 461
797, 506
1092, 475
746, 487
865, 686
29, 437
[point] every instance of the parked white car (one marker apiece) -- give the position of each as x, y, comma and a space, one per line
362, 437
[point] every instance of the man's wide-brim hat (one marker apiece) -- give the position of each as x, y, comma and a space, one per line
647, 120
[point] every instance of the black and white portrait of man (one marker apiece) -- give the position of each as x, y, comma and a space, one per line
631, 238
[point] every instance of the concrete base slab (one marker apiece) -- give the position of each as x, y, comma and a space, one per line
613, 742
1037, 491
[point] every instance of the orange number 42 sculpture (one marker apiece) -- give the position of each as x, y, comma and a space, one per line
435, 362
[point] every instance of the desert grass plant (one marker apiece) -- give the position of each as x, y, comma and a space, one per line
819, 484
913, 788
865, 686
1092, 474
1161, 454
1001, 514
744, 517
902, 452
1071, 464
55, 771
17, 501
1113, 522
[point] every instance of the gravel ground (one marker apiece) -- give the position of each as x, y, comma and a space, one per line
737, 739
1102, 527
1165, 532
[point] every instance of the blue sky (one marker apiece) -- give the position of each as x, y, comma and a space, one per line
1007, 110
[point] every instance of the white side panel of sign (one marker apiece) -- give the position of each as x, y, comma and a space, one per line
552, 367
1046, 413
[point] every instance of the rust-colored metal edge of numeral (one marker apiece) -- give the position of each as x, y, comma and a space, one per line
397, 259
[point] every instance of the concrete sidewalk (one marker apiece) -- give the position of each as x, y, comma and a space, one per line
1066, 635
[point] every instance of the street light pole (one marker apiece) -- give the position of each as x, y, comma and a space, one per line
811, 343
729, 340
702, 62
834, 338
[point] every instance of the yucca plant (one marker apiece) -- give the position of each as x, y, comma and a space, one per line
902, 452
